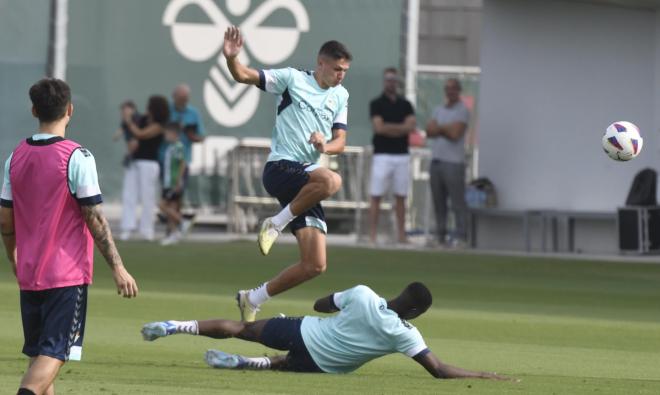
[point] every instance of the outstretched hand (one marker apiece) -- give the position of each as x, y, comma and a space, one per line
233, 42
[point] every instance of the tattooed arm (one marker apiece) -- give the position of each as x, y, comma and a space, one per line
8, 235
100, 230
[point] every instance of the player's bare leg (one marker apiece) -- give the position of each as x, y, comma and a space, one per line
40, 375
322, 184
400, 210
311, 242
219, 329
374, 213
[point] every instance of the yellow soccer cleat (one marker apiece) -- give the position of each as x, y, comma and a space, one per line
267, 236
248, 311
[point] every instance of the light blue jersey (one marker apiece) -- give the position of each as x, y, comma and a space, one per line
363, 330
83, 179
189, 119
303, 108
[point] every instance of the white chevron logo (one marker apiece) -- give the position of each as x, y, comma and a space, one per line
231, 104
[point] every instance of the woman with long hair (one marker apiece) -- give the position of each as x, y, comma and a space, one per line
141, 177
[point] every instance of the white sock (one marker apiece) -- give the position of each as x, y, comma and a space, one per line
189, 327
257, 363
282, 219
258, 295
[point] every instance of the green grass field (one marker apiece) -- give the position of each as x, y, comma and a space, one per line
562, 326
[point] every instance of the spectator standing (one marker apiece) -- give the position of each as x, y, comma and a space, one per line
446, 134
141, 175
392, 119
188, 119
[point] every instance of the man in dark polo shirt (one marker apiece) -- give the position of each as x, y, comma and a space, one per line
393, 119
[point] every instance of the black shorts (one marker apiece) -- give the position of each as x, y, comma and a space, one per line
171, 195
284, 334
54, 322
283, 179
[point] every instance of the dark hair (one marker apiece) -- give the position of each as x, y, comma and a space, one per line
390, 69
456, 81
159, 108
50, 98
420, 296
129, 104
335, 50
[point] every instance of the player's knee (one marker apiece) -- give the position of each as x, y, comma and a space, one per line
336, 182
330, 182
315, 267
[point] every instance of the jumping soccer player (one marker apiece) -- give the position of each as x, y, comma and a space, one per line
50, 203
367, 327
311, 120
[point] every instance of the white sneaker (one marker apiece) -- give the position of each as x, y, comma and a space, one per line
185, 226
267, 236
173, 238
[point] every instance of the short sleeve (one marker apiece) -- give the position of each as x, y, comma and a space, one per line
274, 80
409, 109
337, 298
6, 199
193, 122
347, 297
464, 115
179, 153
341, 119
374, 109
83, 178
410, 342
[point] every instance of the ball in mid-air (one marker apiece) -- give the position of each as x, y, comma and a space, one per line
622, 141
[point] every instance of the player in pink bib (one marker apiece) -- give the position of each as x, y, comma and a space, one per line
50, 218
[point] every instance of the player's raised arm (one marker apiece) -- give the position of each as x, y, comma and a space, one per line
441, 370
231, 48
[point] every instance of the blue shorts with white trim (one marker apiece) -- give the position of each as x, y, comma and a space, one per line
54, 322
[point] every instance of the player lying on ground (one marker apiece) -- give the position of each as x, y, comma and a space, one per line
367, 327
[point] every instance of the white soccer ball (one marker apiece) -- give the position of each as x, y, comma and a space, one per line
622, 141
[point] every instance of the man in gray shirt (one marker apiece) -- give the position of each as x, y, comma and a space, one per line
446, 133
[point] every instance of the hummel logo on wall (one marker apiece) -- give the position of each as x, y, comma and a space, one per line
231, 104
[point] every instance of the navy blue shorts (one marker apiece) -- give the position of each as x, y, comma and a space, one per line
283, 179
284, 334
54, 322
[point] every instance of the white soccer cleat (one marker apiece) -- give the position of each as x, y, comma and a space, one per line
222, 360
248, 311
155, 330
267, 236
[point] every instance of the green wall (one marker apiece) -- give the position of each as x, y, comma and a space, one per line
23, 54
121, 49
